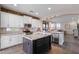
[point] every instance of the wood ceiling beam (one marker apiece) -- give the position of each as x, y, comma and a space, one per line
17, 13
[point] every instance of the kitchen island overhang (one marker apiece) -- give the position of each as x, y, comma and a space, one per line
37, 43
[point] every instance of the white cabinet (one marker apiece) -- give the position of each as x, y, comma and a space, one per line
15, 20
10, 40
20, 39
36, 23
21, 21
4, 19
61, 38
5, 41
27, 20
14, 40
11, 20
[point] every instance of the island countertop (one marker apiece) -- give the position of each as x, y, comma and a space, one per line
36, 35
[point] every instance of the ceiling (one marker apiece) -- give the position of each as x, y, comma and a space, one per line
65, 11
42, 9
66, 19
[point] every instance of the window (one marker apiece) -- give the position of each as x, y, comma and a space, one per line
58, 25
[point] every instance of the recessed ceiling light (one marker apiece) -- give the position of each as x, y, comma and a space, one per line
36, 13
49, 8
15, 4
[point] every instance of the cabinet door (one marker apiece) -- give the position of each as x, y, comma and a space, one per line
4, 19
14, 40
20, 39
61, 39
27, 19
17, 21
13, 20
21, 24
5, 41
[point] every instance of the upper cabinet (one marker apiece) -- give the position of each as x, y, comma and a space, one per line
21, 21
11, 20
15, 20
27, 20
4, 19
36, 23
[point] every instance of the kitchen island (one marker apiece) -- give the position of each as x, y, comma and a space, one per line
37, 43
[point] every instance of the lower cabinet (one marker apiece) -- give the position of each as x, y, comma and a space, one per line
20, 39
5, 41
14, 40
61, 39
11, 40
58, 38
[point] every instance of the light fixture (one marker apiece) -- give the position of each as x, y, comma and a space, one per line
49, 8
15, 4
36, 13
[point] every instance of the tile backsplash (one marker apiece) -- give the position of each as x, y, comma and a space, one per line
10, 30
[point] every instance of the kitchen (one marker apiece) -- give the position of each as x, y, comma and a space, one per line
20, 29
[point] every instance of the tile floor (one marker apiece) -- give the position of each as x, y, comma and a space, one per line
71, 46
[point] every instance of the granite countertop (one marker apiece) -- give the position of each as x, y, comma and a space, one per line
36, 35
